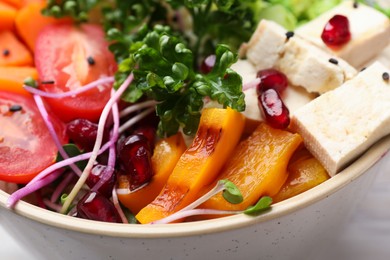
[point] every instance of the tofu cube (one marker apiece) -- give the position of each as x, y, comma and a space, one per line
370, 32
341, 124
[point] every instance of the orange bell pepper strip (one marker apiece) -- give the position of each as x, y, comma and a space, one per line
258, 167
30, 22
7, 16
218, 134
12, 78
12, 51
304, 173
15, 3
165, 156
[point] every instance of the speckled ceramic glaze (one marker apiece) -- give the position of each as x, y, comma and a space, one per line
292, 229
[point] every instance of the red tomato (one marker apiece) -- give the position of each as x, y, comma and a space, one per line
72, 56
26, 147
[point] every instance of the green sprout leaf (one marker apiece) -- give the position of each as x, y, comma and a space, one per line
263, 204
72, 150
231, 193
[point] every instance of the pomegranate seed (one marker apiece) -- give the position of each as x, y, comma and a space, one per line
336, 32
95, 176
275, 112
95, 206
135, 160
83, 133
149, 132
272, 78
208, 64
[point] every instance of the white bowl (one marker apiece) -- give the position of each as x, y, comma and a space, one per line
292, 229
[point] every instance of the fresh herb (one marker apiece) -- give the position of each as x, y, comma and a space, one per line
79, 10
231, 193
164, 70
263, 204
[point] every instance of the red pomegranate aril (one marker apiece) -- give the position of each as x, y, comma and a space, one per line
83, 133
95, 206
135, 160
274, 110
208, 64
336, 32
95, 176
271, 78
149, 132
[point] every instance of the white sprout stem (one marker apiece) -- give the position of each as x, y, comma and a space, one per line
194, 212
80, 90
107, 173
49, 125
52, 205
66, 162
98, 142
118, 207
135, 107
135, 119
251, 84
182, 213
60, 188
28, 189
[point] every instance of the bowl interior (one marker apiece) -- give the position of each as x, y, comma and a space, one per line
356, 169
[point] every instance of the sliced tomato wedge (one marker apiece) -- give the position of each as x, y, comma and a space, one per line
69, 56
26, 147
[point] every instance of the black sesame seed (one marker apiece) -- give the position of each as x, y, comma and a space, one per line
90, 61
289, 34
6, 52
355, 4
48, 82
15, 108
334, 61
363, 69
385, 76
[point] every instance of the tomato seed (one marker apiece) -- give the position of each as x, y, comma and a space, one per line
15, 108
90, 61
6, 52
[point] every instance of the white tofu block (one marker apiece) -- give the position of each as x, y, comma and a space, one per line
341, 124
303, 63
265, 45
308, 66
370, 32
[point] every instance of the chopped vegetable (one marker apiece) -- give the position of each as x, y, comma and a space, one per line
165, 156
304, 173
7, 16
12, 78
14, 53
258, 166
219, 132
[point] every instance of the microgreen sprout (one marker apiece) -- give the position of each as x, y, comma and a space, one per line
98, 143
230, 192
33, 88
32, 83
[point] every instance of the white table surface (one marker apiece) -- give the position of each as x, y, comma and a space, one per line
366, 237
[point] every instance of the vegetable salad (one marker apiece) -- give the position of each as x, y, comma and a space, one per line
130, 112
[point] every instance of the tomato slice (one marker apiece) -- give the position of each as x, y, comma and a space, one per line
69, 56
26, 147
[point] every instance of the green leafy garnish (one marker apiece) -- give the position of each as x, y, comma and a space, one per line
72, 150
164, 70
263, 204
231, 193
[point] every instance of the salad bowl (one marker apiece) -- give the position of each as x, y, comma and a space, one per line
291, 229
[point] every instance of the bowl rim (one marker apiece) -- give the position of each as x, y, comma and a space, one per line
349, 174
